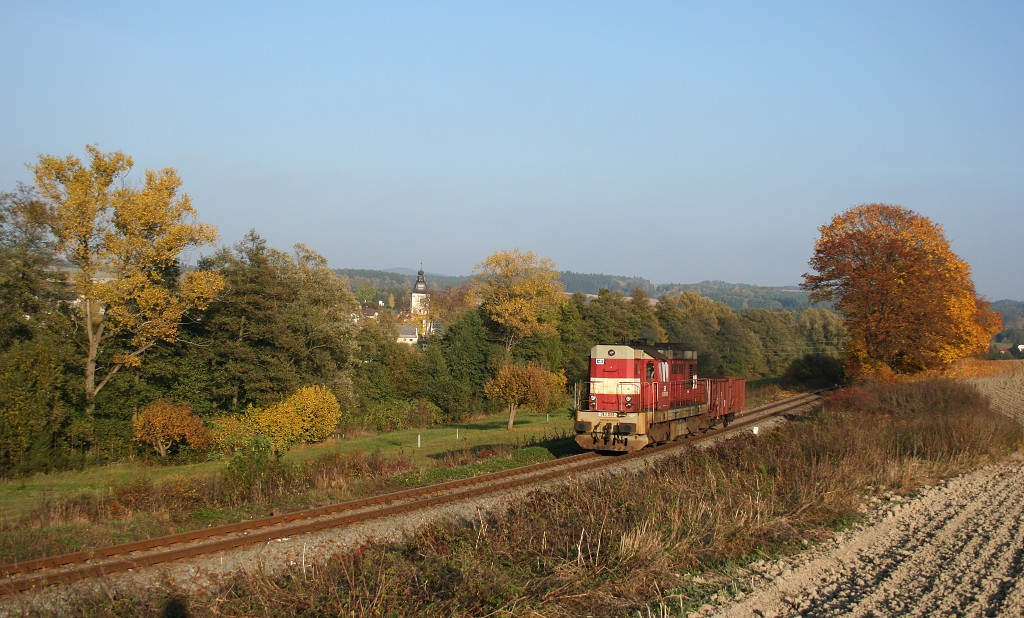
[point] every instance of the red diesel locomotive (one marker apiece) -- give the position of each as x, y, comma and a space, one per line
640, 395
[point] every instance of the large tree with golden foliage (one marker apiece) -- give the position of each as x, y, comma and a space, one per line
124, 243
908, 301
519, 294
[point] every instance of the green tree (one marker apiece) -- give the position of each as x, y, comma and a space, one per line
283, 320
467, 352
122, 242
31, 406
385, 369
454, 398
575, 343
737, 350
821, 332
725, 346
320, 318
367, 294
779, 337
29, 281
643, 319
607, 318
244, 334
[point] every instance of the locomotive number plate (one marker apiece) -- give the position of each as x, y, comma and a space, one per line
607, 414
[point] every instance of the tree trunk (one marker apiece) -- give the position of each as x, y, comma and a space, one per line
511, 415
94, 331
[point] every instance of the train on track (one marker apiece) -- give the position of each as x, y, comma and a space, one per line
642, 395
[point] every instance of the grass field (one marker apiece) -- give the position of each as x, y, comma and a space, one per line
424, 448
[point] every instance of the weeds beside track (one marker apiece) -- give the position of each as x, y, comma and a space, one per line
609, 545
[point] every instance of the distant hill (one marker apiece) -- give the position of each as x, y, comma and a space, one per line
742, 296
738, 296
1012, 312
397, 279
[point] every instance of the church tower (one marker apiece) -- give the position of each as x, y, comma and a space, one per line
419, 299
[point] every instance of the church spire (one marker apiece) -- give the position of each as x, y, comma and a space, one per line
421, 284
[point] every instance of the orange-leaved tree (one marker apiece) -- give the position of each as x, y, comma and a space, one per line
907, 299
162, 424
123, 243
519, 385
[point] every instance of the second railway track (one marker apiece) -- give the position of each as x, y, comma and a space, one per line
29, 575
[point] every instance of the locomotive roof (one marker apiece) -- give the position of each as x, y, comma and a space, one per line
667, 351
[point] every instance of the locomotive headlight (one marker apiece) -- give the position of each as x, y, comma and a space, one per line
593, 397
629, 398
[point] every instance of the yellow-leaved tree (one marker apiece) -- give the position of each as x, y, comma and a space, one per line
124, 243
519, 385
907, 299
519, 293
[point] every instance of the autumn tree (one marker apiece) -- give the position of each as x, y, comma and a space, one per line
519, 385
162, 424
907, 300
124, 243
519, 294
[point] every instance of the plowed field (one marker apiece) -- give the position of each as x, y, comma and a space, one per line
953, 550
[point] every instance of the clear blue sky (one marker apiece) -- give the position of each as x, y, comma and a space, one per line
677, 141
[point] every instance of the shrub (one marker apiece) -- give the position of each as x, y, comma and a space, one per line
319, 411
310, 414
163, 425
256, 475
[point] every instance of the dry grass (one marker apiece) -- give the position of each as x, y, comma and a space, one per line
977, 368
609, 546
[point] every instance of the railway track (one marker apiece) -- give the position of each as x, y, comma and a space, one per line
30, 575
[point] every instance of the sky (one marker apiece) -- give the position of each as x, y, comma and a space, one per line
677, 141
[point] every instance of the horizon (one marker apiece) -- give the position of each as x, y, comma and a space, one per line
401, 270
